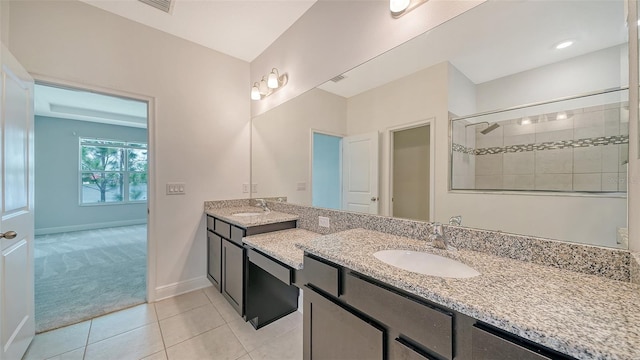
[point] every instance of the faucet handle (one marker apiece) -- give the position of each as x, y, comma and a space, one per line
456, 220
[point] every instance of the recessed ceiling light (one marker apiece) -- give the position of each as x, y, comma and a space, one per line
564, 44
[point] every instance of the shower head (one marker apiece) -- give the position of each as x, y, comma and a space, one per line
490, 128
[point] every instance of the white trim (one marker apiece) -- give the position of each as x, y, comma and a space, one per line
82, 227
181, 287
151, 170
431, 122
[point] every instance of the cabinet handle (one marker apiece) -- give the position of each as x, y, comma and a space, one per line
8, 235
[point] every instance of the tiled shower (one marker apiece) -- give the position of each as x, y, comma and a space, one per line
572, 149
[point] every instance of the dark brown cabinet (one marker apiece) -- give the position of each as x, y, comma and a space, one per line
233, 274
214, 259
348, 315
228, 267
333, 332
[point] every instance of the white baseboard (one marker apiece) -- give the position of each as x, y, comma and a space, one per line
81, 227
181, 287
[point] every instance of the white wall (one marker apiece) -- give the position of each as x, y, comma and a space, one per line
462, 93
281, 143
557, 80
201, 111
335, 36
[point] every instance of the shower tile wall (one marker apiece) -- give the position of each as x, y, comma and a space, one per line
585, 151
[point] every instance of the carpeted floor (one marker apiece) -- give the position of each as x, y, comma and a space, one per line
83, 274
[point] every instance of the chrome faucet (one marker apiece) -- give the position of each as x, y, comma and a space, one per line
456, 220
437, 237
262, 204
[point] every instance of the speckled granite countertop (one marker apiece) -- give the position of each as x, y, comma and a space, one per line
271, 217
281, 245
584, 316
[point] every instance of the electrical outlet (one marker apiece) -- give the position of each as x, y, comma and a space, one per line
176, 189
301, 186
323, 221
254, 188
245, 188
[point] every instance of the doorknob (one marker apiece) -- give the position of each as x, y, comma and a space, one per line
8, 235
374, 199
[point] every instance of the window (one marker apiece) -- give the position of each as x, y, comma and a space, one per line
112, 171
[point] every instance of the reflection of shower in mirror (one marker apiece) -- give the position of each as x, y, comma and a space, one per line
489, 128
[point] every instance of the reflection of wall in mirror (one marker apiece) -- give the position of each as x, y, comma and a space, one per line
281, 143
574, 218
440, 89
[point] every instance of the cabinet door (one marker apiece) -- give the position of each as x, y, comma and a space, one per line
332, 332
233, 274
214, 260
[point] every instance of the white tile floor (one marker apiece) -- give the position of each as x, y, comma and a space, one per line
197, 325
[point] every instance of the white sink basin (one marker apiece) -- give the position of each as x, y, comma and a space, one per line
425, 263
249, 213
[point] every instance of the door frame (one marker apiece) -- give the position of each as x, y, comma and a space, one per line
432, 158
329, 133
151, 162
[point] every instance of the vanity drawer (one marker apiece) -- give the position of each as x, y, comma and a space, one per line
401, 350
222, 228
280, 272
210, 223
488, 346
322, 276
236, 235
428, 326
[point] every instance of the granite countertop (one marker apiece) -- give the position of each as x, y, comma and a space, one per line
281, 245
264, 218
584, 316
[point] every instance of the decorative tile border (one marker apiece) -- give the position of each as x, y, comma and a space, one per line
463, 149
550, 145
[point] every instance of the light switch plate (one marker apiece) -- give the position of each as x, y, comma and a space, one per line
176, 188
323, 221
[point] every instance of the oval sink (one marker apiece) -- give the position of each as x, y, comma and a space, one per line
425, 263
249, 213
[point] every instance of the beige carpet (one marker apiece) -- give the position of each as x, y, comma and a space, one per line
83, 274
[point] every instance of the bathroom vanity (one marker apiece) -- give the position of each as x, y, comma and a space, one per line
237, 271
512, 310
533, 298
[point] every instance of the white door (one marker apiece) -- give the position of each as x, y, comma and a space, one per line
360, 173
17, 326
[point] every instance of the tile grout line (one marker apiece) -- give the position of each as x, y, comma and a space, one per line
86, 344
164, 346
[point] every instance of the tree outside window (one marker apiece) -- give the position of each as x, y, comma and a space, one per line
112, 171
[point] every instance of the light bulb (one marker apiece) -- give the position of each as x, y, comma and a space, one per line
398, 6
564, 44
272, 80
263, 88
561, 116
255, 93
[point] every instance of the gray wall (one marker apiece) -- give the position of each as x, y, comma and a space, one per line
57, 206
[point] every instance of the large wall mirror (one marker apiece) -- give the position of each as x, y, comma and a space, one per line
513, 115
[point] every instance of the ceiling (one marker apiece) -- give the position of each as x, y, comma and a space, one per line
83, 105
496, 39
240, 28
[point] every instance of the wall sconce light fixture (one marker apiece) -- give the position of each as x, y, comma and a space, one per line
401, 7
268, 85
